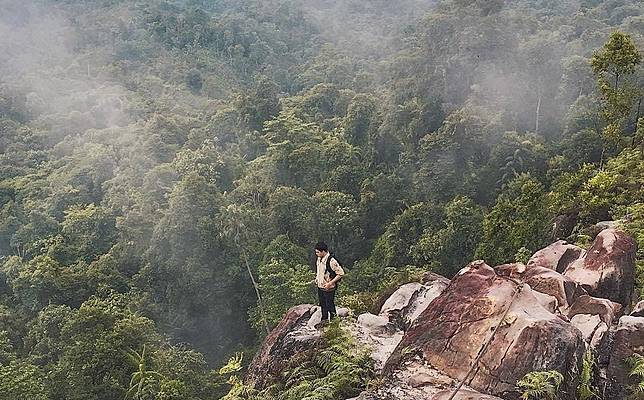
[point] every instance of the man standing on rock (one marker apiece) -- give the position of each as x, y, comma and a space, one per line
329, 272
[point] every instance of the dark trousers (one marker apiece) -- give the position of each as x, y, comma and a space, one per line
327, 303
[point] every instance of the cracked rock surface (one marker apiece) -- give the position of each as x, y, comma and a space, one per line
451, 331
606, 270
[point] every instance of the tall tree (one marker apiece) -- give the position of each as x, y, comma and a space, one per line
614, 67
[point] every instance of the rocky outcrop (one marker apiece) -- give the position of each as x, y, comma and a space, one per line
497, 323
291, 336
591, 327
593, 317
383, 332
406, 303
479, 307
607, 270
415, 379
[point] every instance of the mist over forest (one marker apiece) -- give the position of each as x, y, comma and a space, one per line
158, 157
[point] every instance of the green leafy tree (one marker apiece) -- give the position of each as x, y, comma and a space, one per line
610, 191
614, 66
86, 233
394, 246
284, 284
291, 212
22, 380
382, 197
450, 247
519, 219
360, 119
634, 225
338, 222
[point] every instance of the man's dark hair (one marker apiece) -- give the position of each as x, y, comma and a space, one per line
321, 246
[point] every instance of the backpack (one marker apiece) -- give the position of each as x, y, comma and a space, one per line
330, 270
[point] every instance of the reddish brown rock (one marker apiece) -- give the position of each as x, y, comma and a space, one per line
281, 344
463, 395
623, 341
606, 310
452, 330
431, 277
513, 270
557, 257
607, 270
548, 302
551, 282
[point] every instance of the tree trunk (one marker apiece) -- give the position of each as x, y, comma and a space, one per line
259, 296
536, 120
637, 117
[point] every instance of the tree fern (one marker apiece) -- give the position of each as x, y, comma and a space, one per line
541, 385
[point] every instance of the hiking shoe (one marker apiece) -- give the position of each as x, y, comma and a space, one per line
322, 324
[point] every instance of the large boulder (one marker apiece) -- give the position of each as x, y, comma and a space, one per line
544, 281
376, 324
606, 310
608, 268
551, 282
472, 312
622, 342
382, 332
401, 298
290, 337
557, 257
416, 380
410, 300
591, 327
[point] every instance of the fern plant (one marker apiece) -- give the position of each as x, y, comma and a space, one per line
585, 389
636, 366
540, 385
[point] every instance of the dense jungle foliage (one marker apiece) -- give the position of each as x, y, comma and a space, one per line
157, 157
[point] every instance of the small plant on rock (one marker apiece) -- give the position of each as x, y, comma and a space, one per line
585, 389
540, 385
636, 365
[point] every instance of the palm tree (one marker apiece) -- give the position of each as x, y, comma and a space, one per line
142, 378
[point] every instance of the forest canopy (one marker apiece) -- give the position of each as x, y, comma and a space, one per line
167, 166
